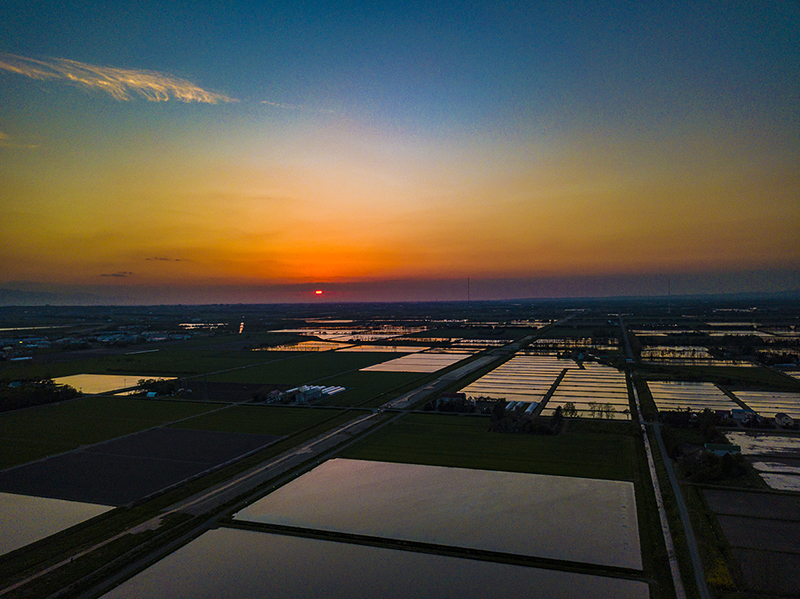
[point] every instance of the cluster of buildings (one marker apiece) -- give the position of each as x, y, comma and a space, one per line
747, 417
302, 395
26, 345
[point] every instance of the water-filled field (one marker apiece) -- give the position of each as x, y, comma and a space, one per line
404, 349
558, 517
417, 363
27, 519
242, 564
776, 457
522, 378
306, 346
596, 391
675, 395
769, 403
101, 383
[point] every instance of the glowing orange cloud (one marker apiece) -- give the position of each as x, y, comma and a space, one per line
118, 83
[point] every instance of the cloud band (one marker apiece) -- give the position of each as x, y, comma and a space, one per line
120, 84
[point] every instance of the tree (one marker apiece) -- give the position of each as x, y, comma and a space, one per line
569, 410
557, 420
499, 410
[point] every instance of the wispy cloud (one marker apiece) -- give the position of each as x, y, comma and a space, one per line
120, 84
279, 105
120, 275
294, 107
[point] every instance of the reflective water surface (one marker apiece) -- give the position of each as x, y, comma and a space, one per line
417, 363
239, 564
776, 457
27, 519
559, 517
101, 383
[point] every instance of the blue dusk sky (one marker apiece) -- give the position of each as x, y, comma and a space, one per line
200, 152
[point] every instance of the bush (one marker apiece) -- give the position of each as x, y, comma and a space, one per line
701, 466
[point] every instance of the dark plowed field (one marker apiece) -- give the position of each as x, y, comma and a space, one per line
763, 530
126, 469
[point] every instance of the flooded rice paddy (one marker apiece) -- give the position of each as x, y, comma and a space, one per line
102, 383
595, 391
764, 443
398, 349
306, 346
242, 564
528, 378
523, 378
676, 395
577, 519
27, 519
769, 403
775, 457
354, 334
417, 363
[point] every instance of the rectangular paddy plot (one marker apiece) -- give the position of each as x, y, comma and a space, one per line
417, 363
557, 517
100, 383
589, 387
763, 531
28, 519
775, 457
400, 349
769, 403
460, 442
302, 368
522, 378
305, 346
129, 468
676, 395
259, 420
27, 435
241, 564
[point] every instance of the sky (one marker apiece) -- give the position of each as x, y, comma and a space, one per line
227, 152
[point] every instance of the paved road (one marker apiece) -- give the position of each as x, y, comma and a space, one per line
677, 581
214, 497
691, 542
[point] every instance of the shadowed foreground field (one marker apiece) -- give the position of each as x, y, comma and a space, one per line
464, 441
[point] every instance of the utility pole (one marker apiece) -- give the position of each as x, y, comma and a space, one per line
467, 288
669, 296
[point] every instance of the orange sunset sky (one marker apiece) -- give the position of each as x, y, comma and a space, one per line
390, 154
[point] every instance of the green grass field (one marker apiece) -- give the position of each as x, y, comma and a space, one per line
168, 362
31, 434
368, 389
464, 441
304, 367
261, 420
